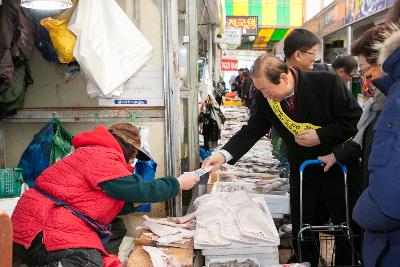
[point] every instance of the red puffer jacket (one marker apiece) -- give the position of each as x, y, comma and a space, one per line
98, 157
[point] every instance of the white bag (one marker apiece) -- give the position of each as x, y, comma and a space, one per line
109, 48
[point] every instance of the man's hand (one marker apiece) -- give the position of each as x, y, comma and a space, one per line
329, 161
307, 138
215, 161
188, 180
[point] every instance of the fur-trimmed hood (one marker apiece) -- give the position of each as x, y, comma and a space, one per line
389, 57
391, 44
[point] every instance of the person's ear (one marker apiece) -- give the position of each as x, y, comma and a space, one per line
284, 78
297, 55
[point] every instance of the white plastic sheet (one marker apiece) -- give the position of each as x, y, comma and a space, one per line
109, 48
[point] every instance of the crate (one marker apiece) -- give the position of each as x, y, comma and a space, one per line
10, 182
232, 103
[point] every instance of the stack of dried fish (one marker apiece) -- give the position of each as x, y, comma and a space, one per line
253, 185
259, 159
222, 220
275, 186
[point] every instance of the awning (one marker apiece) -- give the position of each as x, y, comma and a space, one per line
270, 13
265, 38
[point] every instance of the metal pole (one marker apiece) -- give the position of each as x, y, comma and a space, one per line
322, 50
193, 109
172, 97
349, 31
210, 50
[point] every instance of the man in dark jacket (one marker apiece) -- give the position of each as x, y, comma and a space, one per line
302, 100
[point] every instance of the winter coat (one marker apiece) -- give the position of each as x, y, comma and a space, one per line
16, 39
74, 180
377, 210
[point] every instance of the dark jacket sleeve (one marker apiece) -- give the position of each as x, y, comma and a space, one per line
347, 152
346, 114
135, 189
257, 126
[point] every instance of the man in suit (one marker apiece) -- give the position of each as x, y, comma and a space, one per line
319, 98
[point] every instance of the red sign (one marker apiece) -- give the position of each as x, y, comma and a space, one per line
229, 65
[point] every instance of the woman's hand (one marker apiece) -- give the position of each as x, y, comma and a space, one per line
329, 161
188, 180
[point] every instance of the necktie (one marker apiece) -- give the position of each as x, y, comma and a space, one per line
290, 101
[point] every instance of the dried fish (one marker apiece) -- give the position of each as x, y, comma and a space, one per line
160, 229
160, 259
179, 238
233, 263
252, 223
209, 199
206, 216
237, 199
230, 230
229, 178
168, 221
210, 236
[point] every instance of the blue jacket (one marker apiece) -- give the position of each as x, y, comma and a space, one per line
378, 208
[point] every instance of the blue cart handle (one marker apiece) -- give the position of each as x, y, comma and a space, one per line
317, 161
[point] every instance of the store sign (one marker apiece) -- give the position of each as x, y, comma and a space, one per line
331, 19
229, 65
233, 37
359, 9
145, 89
248, 24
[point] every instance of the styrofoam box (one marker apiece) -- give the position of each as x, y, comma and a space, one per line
227, 259
264, 262
8, 204
259, 250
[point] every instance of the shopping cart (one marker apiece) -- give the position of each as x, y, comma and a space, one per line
327, 233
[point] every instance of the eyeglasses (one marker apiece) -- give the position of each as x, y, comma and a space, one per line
310, 53
351, 75
362, 71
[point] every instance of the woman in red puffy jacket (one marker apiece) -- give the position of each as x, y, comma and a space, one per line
63, 220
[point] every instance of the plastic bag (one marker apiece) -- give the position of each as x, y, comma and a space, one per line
42, 38
107, 62
62, 140
146, 169
62, 38
40, 154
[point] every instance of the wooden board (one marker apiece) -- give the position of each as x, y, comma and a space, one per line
140, 258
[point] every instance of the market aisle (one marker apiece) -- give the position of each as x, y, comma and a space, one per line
259, 159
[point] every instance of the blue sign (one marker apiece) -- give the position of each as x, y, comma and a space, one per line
130, 102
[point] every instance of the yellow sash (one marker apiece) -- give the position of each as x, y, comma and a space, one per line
291, 125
